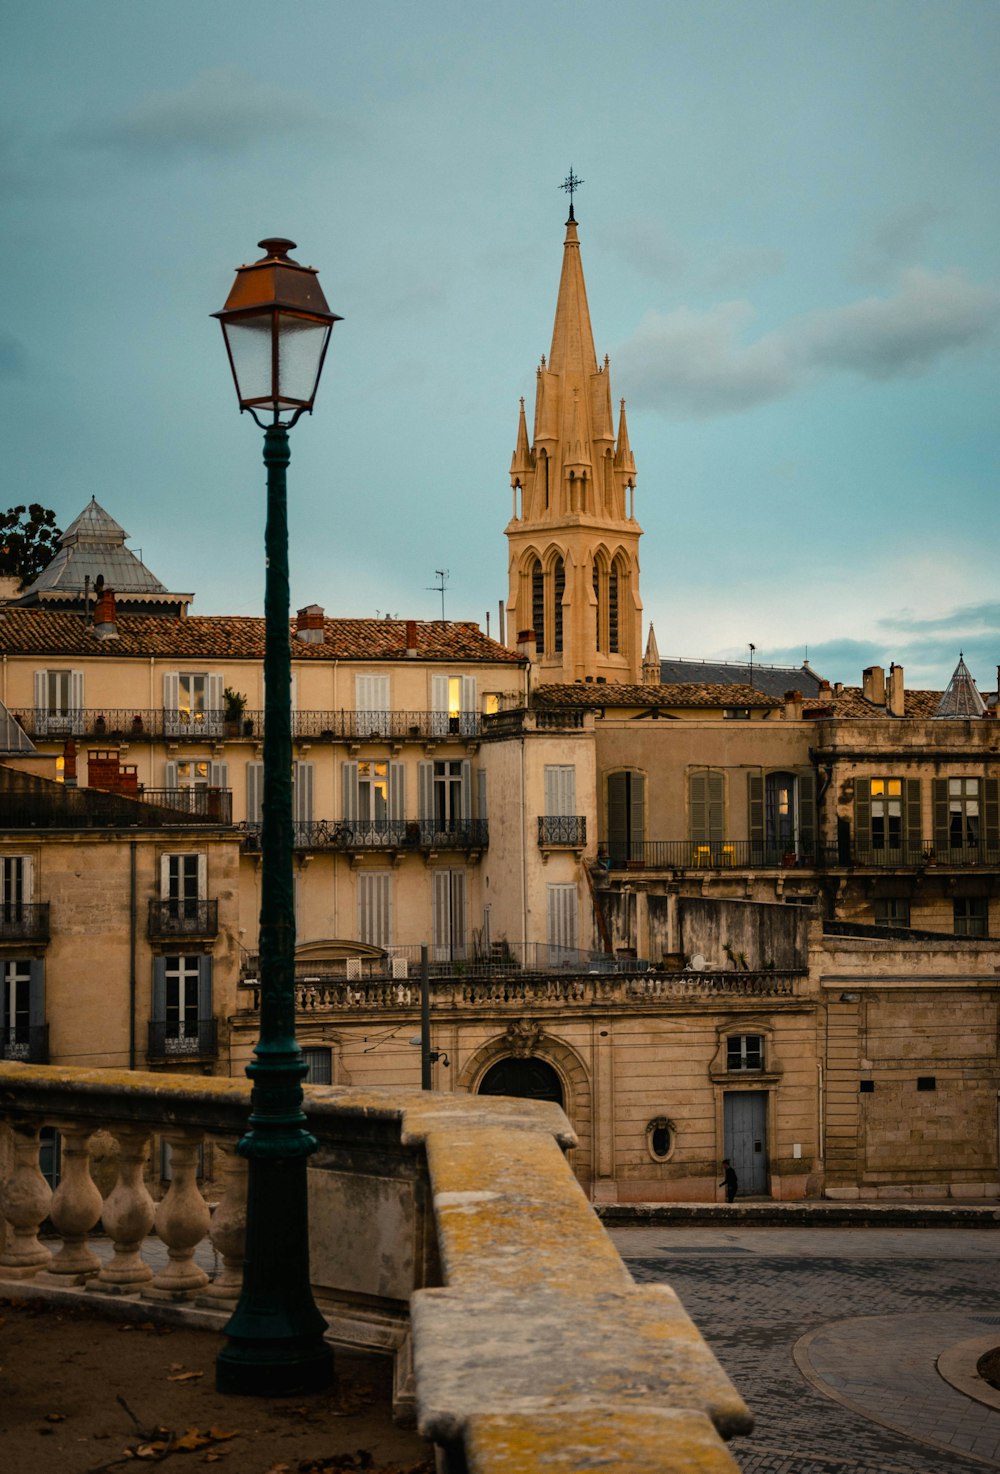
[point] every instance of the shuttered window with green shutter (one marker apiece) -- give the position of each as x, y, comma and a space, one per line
707, 807
626, 805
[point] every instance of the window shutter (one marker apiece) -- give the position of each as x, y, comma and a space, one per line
560, 790
202, 877
349, 789
617, 814
807, 814
218, 775
204, 988
164, 877
5, 1021
170, 690
481, 793
698, 806
214, 699
439, 705
716, 807
562, 916
425, 790
991, 813
637, 813
469, 713
293, 687
255, 793
41, 692
458, 912
159, 990
862, 812
466, 790
939, 803
442, 913
170, 775
755, 810
397, 791
36, 993
374, 900
913, 838
76, 699
302, 792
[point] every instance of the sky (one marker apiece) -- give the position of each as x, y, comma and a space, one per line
789, 228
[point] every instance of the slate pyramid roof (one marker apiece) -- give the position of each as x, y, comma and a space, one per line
961, 698
92, 547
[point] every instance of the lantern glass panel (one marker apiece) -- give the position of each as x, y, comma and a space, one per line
300, 354
249, 340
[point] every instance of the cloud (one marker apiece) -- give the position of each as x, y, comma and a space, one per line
894, 242
223, 111
644, 244
739, 267
696, 364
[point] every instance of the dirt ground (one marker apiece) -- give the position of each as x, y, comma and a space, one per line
80, 1393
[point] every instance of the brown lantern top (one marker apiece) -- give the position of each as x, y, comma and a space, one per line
276, 323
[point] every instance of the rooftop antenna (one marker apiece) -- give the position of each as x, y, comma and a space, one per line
571, 184
438, 588
752, 649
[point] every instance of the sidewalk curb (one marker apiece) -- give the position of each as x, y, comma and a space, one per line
811, 1213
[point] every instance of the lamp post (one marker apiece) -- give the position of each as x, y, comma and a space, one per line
276, 324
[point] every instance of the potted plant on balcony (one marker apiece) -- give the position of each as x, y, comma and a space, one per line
234, 705
136, 725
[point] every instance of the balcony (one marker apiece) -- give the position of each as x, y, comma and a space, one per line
175, 1040
562, 831
752, 854
93, 808
447, 1290
24, 921
361, 836
28, 1043
182, 918
158, 724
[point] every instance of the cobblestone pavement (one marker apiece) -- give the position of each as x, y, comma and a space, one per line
866, 1313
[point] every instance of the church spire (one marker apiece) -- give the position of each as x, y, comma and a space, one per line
573, 537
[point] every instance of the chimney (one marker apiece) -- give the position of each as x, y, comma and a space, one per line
793, 706
897, 698
309, 624
105, 615
526, 644
825, 692
411, 639
873, 685
106, 771
838, 688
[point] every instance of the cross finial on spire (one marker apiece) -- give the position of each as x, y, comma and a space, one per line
571, 184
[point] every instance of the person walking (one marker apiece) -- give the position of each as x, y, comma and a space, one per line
729, 1181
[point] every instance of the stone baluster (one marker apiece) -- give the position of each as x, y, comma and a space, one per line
128, 1217
76, 1206
24, 1201
182, 1221
229, 1229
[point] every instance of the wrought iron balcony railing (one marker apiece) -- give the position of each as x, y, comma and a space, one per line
351, 835
126, 724
562, 829
94, 808
182, 918
171, 1039
749, 854
24, 921
28, 1043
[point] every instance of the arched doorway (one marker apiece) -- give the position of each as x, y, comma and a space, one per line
530, 1079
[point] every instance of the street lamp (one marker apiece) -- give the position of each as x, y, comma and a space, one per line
276, 323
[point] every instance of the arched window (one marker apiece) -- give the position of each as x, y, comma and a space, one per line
613, 643
558, 589
538, 606
597, 606
528, 1079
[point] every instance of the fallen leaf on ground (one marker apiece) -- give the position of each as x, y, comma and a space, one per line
55, 1417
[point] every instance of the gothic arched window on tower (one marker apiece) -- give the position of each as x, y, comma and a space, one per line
597, 607
613, 582
558, 589
538, 606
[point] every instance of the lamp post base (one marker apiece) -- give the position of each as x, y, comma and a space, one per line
274, 1368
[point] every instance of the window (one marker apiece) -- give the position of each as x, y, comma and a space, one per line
562, 923
15, 886
303, 777
183, 883
963, 812
319, 1066
706, 807
560, 789
966, 818
182, 1003
782, 812
892, 911
626, 805
374, 907
736, 713
971, 916
373, 790
887, 821
192, 704
660, 1138
22, 1010
538, 601
449, 915
558, 590
744, 1052
453, 706
373, 800
445, 794
58, 702
371, 700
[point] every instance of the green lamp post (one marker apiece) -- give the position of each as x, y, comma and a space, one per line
276, 324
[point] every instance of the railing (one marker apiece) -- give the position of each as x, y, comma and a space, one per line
28, 1043
24, 921
94, 808
510, 1240
180, 1039
379, 834
368, 994
457, 961
126, 724
752, 854
183, 918
514, 723
559, 829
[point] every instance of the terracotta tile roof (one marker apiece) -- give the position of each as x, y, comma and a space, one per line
851, 705
223, 637
685, 694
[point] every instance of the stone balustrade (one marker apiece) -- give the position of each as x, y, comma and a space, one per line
446, 1230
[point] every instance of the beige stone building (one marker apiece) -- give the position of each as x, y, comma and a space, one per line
713, 911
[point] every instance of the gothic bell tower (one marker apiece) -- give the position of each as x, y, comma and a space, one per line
573, 539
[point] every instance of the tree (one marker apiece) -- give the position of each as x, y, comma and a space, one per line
29, 540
